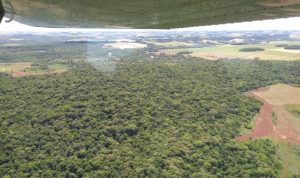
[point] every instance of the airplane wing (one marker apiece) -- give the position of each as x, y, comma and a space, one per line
154, 14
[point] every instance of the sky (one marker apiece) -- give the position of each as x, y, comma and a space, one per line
277, 24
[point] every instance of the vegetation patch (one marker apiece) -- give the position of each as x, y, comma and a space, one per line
251, 49
274, 118
293, 47
294, 109
282, 45
289, 154
239, 43
185, 52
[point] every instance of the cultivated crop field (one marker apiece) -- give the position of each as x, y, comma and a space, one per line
271, 52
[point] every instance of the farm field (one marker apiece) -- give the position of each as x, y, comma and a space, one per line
125, 45
271, 52
20, 69
171, 43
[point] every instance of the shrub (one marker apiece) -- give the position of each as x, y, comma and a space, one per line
185, 52
282, 45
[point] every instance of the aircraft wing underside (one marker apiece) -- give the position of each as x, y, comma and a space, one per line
155, 14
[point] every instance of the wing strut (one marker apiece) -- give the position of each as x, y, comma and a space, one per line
2, 11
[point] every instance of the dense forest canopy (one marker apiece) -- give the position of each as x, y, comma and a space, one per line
144, 119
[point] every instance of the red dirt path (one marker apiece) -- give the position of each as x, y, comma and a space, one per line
263, 124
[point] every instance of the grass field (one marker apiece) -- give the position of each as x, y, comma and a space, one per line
289, 155
59, 68
272, 52
171, 43
20, 69
281, 94
293, 109
125, 45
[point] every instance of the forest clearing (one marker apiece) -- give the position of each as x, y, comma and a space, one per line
276, 121
285, 125
21, 69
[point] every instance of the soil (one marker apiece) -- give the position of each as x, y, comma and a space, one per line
19, 74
